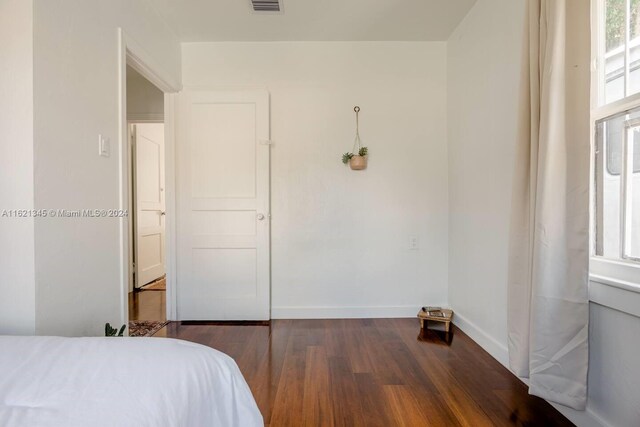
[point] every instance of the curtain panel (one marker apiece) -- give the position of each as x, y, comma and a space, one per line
548, 307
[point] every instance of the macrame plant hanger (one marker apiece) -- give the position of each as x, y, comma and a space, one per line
356, 143
357, 161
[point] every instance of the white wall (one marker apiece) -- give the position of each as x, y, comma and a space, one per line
484, 60
76, 98
340, 239
484, 72
614, 371
144, 100
17, 281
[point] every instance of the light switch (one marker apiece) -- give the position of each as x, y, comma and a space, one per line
104, 146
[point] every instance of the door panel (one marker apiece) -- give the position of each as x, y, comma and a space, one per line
225, 223
234, 270
149, 202
223, 206
223, 150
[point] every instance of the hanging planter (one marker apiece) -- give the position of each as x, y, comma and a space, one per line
357, 159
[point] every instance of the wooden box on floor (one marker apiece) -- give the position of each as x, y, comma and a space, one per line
446, 318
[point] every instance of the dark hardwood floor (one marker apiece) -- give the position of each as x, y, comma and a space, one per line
147, 305
371, 372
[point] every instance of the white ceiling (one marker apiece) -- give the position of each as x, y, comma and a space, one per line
318, 20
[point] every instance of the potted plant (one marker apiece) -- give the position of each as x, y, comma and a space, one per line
356, 161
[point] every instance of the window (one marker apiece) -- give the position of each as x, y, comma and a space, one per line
617, 186
620, 49
616, 121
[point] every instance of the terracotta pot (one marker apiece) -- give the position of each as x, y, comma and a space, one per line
358, 163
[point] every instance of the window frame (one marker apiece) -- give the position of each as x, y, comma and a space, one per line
622, 273
626, 175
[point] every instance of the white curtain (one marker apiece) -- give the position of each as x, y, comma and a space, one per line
548, 301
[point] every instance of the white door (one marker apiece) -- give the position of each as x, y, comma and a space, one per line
149, 229
223, 206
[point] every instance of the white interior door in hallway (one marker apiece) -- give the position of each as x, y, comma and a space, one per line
223, 224
149, 197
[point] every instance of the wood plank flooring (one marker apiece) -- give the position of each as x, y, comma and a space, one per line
147, 305
371, 372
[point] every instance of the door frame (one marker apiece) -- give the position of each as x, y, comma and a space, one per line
133, 54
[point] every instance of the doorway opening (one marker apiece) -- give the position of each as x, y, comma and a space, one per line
138, 110
147, 202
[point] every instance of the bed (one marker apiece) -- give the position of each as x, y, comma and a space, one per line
53, 381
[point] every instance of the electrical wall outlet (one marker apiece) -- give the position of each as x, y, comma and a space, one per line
104, 146
414, 243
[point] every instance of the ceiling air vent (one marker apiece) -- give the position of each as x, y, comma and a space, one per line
266, 5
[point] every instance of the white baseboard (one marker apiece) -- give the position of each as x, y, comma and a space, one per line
492, 346
581, 418
344, 312
500, 352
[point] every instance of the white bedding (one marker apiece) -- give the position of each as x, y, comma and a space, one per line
120, 382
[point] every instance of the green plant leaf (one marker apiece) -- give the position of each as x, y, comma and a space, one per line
109, 331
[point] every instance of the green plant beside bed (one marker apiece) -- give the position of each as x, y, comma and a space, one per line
110, 331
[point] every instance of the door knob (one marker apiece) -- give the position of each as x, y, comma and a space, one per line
260, 217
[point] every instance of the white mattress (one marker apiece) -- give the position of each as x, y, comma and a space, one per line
120, 382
